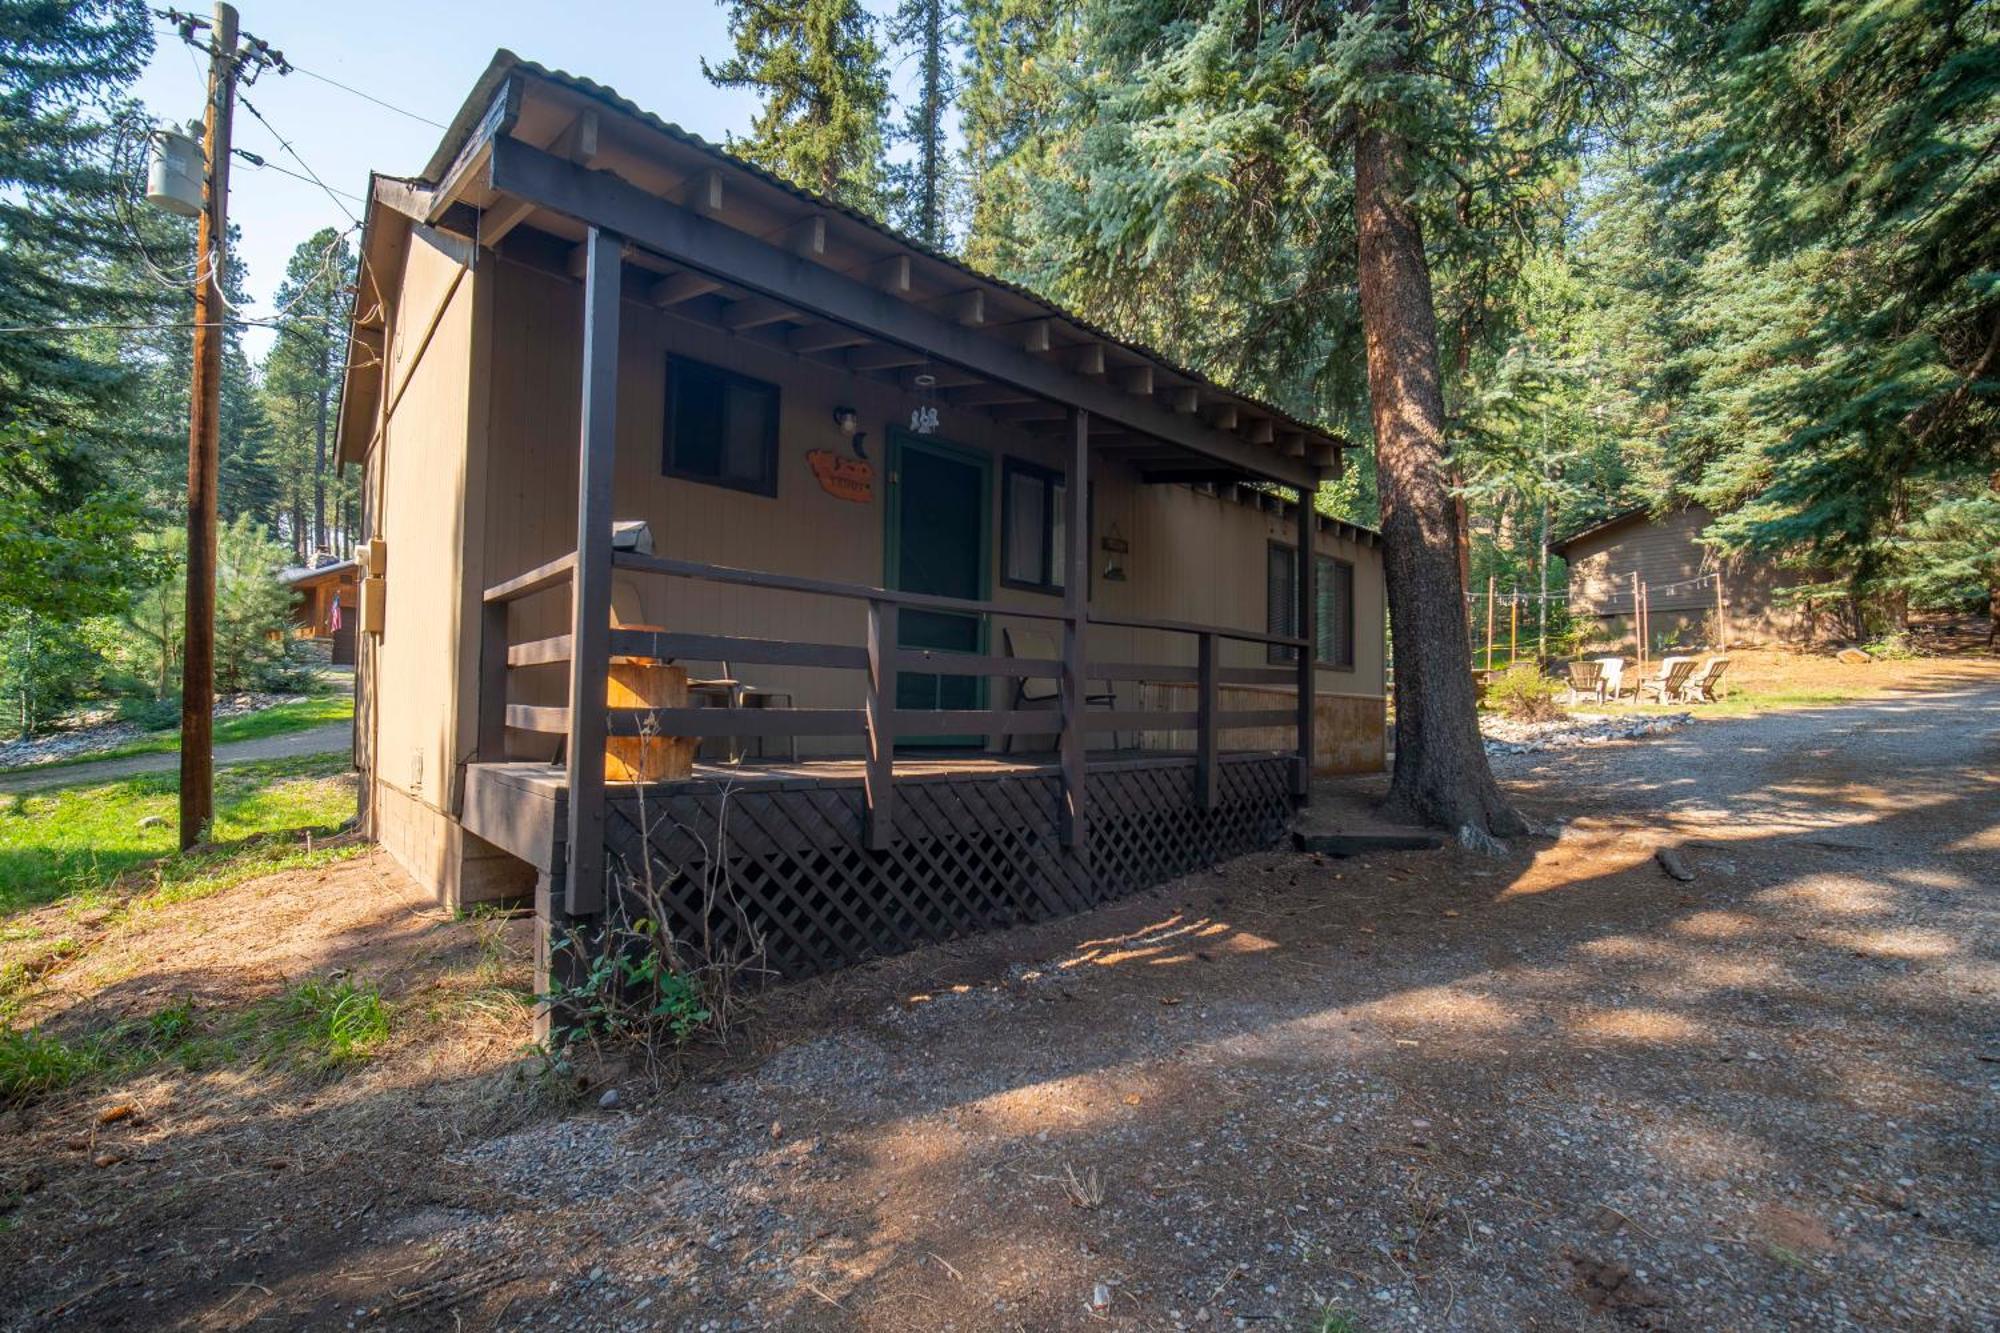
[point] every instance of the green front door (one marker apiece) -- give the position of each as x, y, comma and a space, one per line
939, 542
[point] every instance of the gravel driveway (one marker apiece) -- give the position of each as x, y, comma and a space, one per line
1556, 1090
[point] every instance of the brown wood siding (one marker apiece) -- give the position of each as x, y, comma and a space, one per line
1663, 553
1193, 556
418, 734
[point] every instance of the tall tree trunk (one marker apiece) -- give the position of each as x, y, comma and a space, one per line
319, 457
929, 210
1441, 776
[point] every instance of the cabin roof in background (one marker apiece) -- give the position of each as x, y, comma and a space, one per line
1598, 529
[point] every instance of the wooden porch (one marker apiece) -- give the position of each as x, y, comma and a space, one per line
841, 857
772, 860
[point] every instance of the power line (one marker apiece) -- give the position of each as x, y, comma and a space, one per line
285, 144
366, 97
254, 160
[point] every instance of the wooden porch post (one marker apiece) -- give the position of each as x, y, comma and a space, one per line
879, 778
1076, 591
1207, 776
1309, 631
590, 601
492, 682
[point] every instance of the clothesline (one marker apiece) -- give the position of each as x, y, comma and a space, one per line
1520, 597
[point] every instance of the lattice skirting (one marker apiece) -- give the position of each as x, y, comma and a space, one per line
787, 868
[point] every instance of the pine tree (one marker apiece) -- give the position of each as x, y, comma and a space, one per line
817, 67
63, 66
1283, 194
923, 188
302, 375
1829, 208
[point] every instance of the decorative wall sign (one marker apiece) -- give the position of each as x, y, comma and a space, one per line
843, 478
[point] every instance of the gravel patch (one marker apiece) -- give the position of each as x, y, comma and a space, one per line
1505, 735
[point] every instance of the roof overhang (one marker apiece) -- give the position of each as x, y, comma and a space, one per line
537, 158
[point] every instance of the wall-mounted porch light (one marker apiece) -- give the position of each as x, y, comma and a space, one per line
1117, 548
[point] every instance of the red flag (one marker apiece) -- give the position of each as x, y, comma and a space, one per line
335, 626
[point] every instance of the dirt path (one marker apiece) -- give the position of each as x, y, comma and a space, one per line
329, 739
1552, 1091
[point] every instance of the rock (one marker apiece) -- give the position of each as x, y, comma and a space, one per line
111, 1115
1476, 839
609, 1099
1674, 863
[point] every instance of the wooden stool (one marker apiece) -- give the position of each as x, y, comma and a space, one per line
646, 682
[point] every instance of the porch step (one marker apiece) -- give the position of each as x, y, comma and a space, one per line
1361, 844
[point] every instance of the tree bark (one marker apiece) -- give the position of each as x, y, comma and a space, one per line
1441, 774
323, 392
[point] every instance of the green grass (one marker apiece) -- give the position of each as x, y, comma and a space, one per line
318, 1026
75, 841
319, 710
33, 1063
326, 1024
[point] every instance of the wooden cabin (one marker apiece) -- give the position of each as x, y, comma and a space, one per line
1691, 596
324, 606
1011, 612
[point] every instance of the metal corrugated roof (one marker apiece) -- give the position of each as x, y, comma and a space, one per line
506, 63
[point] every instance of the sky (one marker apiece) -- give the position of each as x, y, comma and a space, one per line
422, 56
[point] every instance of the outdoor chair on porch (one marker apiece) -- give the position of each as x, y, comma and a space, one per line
1667, 685
1586, 681
723, 691
726, 691
1702, 687
1028, 690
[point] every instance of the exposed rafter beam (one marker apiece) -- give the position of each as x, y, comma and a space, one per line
985, 395
503, 217
968, 307
1187, 399
1088, 359
1137, 380
579, 143
1030, 411
684, 286
892, 275
755, 313
703, 193
1223, 417
744, 261
1261, 431
806, 237
884, 358
824, 338
1035, 335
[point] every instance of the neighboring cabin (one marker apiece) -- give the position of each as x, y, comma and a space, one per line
1679, 574
324, 610
865, 472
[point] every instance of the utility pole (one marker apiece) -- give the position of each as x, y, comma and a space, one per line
204, 452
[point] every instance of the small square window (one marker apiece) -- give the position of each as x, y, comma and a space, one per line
721, 427
1333, 606
1032, 538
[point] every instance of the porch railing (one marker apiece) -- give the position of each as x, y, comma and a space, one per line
878, 721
